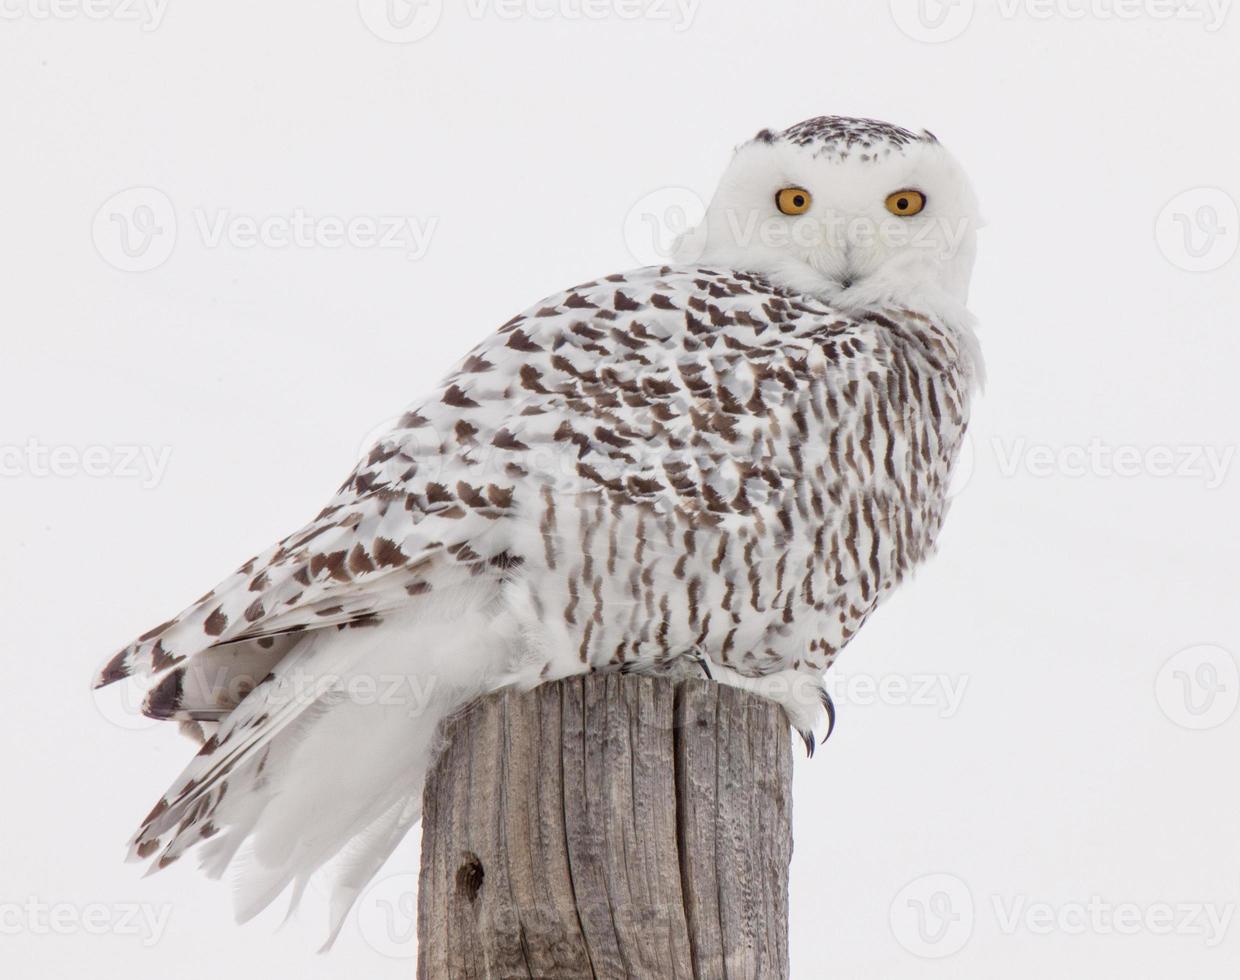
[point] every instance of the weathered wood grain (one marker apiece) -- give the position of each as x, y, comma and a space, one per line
606, 827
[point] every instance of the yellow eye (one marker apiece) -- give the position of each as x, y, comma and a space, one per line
793, 200
905, 204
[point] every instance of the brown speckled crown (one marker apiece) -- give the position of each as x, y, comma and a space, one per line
841, 137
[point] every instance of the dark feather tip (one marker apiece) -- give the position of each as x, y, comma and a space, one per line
116, 670
164, 699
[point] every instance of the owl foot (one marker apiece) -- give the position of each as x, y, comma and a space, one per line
683, 667
802, 696
699, 658
808, 736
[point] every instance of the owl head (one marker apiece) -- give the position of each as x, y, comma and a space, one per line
855, 211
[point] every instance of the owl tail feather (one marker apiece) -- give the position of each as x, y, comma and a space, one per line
329, 778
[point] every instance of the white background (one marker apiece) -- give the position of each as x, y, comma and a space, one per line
1068, 773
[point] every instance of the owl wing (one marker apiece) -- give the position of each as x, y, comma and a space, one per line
639, 386
549, 401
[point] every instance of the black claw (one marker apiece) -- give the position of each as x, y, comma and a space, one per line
701, 661
830, 706
808, 737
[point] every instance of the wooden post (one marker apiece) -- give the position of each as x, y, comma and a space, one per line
606, 827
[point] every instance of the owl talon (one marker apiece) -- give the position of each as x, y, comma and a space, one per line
829, 705
702, 662
808, 736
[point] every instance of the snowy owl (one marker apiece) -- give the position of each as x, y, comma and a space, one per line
717, 466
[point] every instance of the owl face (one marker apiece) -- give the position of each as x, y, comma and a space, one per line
855, 211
